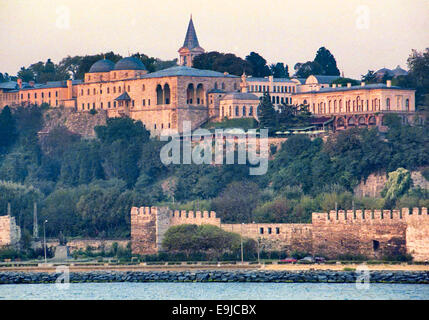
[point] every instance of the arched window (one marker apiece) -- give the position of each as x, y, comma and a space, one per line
200, 94
230, 111
119, 89
159, 95
215, 85
235, 86
143, 87
223, 111
236, 111
166, 94
251, 111
388, 103
244, 111
223, 86
407, 104
190, 92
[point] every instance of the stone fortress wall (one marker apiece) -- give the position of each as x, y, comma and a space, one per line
373, 233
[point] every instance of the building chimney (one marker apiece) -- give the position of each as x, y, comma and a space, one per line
225, 73
19, 82
362, 84
340, 85
349, 84
389, 83
334, 85
69, 89
270, 78
31, 83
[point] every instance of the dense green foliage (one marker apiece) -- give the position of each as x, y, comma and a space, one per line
75, 67
86, 187
254, 64
324, 63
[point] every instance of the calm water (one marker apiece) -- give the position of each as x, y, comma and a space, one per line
214, 291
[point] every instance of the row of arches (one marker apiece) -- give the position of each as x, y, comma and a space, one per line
353, 105
337, 106
195, 95
163, 94
356, 121
237, 112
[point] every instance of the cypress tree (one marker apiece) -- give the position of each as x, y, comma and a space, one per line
8, 132
266, 113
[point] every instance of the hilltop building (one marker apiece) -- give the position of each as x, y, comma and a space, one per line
162, 100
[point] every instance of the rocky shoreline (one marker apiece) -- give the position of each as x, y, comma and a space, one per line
414, 277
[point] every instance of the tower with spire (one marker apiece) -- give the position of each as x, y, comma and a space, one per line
191, 47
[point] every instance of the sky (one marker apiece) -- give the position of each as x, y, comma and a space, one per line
362, 34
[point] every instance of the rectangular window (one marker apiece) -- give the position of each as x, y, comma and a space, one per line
144, 102
148, 102
277, 230
269, 230
261, 230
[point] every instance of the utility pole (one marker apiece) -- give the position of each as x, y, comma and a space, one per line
44, 238
35, 224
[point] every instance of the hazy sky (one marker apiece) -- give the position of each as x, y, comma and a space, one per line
361, 34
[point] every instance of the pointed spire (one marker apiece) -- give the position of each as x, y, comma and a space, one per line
191, 40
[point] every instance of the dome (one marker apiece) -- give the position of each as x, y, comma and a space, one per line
130, 63
104, 65
240, 96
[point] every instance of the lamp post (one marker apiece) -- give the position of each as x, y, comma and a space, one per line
44, 238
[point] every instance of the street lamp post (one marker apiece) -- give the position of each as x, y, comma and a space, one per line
44, 238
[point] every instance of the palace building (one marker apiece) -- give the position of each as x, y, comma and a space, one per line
163, 99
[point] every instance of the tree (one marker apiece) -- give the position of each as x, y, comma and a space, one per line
345, 81
327, 62
309, 68
418, 76
191, 238
266, 112
222, 62
259, 65
70, 65
237, 201
8, 132
279, 70
398, 183
26, 74
369, 77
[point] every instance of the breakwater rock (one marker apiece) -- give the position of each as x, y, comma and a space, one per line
8, 277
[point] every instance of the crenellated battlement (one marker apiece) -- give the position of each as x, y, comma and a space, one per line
194, 217
370, 216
